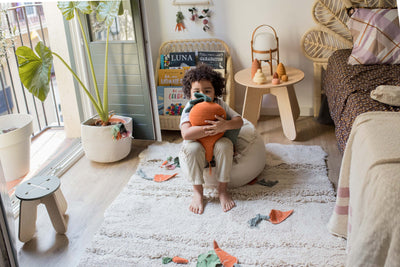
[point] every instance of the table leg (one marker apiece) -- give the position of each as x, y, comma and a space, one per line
252, 105
288, 109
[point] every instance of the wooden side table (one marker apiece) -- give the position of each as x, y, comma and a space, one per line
284, 92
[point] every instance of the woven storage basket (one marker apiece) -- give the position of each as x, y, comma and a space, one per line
193, 45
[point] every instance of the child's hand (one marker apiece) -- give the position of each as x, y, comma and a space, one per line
215, 127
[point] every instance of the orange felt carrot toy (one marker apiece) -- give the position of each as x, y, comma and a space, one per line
175, 259
180, 260
277, 216
163, 177
201, 112
226, 259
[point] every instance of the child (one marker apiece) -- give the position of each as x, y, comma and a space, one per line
205, 80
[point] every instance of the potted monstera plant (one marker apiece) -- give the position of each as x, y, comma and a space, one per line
106, 137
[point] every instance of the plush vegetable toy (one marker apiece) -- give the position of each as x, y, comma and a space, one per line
226, 259
179, 21
204, 109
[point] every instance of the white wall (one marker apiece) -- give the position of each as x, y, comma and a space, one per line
233, 21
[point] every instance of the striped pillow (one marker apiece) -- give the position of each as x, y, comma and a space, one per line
376, 36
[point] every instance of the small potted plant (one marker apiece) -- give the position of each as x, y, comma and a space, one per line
107, 137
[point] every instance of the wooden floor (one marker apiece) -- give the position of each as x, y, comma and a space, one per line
89, 189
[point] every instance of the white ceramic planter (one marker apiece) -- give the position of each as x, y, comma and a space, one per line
98, 142
15, 146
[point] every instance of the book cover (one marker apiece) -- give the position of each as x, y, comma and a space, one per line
182, 59
168, 77
215, 59
160, 99
164, 61
174, 100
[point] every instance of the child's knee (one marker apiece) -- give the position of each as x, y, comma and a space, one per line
192, 148
223, 145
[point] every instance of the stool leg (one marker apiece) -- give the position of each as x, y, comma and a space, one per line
27, 219
61, 200
55, 213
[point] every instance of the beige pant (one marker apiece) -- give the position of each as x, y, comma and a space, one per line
192, 159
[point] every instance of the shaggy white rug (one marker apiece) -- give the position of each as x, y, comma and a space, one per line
151, 220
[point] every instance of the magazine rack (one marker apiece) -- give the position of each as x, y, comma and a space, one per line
191, 45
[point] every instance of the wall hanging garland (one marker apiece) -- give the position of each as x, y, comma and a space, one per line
193, 16
193, 12
205, 14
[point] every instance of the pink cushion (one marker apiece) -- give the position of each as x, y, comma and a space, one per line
376, 36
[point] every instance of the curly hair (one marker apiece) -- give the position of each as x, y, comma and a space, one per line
203, 72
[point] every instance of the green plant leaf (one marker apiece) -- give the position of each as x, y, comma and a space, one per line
34, 70
107, 11
68, 7
121, 9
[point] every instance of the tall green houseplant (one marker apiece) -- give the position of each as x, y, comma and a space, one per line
35, 68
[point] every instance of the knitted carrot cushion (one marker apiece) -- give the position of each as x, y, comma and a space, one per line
206, 110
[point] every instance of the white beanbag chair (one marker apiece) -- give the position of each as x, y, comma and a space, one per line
249, 160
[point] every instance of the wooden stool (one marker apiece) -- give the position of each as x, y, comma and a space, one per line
40, 189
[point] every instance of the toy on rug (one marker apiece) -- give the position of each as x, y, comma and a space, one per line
216, 257
164, 177
204, 109
227, 260
256, 220
179, 21
157, 177
209, 259
171, 163
275, 217
268, 183
175, 259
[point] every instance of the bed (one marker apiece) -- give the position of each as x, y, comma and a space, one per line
348, 88
367, 210
345, 87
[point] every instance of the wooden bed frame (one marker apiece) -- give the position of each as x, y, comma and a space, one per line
192, 45
331, 34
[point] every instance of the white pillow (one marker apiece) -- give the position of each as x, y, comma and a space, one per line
387, 94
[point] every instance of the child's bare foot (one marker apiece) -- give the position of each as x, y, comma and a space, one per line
225, 198
197, 205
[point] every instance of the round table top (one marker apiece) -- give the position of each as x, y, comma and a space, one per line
37, 187
243, 77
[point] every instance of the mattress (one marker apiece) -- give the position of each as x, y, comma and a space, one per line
347, 88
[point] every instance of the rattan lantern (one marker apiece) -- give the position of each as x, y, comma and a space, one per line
265, 45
